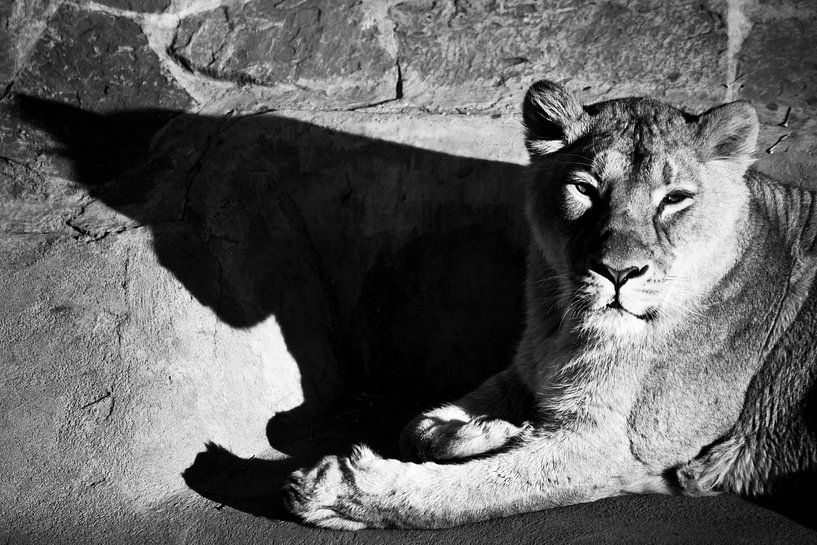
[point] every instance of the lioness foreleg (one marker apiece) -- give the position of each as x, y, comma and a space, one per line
482, 421
365, 491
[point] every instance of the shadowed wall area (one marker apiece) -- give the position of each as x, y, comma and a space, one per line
378, 260
390, 270
238, 235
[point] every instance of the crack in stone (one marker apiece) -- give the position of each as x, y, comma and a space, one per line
398, 95
196, 168
6, 91
69, 221
11, 161
230, 29
208, 74
86, 235
191, 176
78, 232
182, 61
398, 89
376, 13
125, 290
218, 303
100, 399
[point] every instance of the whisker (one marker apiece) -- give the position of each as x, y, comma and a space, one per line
567, 154
686, 309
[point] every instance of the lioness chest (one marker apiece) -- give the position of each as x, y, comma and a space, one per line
663, 401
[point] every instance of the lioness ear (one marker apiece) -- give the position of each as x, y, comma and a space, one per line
552, 116
729, 132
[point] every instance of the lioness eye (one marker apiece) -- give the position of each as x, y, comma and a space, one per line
585, 189
675, 197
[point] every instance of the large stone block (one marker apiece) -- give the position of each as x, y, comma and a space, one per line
98, 62
323, 52
483, 54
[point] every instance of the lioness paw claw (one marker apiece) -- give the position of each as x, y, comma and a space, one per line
432, 440
321, 495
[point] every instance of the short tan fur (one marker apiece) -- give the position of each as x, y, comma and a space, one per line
669, 344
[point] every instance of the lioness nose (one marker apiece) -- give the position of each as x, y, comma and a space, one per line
618, 276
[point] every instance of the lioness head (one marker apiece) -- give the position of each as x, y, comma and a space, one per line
638, 207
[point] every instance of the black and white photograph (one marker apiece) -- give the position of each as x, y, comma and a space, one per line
408, 272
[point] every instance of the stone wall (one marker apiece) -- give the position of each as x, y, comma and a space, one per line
215, 212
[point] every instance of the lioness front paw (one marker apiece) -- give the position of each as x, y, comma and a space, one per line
328, 494
713, 472
429, 438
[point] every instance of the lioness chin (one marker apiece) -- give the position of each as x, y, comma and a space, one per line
668, 343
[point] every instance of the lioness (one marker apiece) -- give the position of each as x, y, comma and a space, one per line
669, 336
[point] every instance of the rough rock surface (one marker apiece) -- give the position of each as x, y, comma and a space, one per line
777, 74
484, 55
325, 48
97, 61
284, 227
